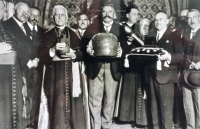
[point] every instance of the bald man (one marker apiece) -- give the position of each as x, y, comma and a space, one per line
164, 75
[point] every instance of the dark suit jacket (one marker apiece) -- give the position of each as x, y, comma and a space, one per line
24, 42
94, 64
36, 41
171, 42
192, 48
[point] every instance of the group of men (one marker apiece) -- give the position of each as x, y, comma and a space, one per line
143, 94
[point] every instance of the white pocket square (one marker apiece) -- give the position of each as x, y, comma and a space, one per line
167, 41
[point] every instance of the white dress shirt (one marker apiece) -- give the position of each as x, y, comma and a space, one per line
31, 27
108, 26
161, 32
81, 32
194, 31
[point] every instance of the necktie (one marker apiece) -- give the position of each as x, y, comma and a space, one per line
22, 27
81, 33
157, 37
34, 32
192, 34
107, 29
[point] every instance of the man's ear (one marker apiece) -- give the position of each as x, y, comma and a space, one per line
167, 21
127, 15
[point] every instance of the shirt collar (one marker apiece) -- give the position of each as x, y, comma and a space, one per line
31, 26
18, 22
195, 30
130, 25
81, 30
162, 31
107, 24
61, 27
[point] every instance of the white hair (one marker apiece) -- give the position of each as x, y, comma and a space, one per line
194, 10
145, 19
59, 7
20, 3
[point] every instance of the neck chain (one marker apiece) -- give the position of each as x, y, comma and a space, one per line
2, 31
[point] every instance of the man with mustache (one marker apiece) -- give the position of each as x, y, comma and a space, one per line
191, 98
36, 33
82, 23
103, 74
164, 73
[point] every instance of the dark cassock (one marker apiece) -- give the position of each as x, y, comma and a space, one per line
132, 106
11, 97
63, 81
16, 28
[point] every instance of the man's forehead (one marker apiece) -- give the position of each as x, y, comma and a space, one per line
107, 7
60, 10
160, 15
34, 10
145, 22
192, 13
23, 6
83, 17
134, 10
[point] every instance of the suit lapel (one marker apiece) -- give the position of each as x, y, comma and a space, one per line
164, 40
19, 32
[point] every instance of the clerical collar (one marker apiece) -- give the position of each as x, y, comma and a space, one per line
196, 29
61, 27
31, 26
18, 22
129, 24
108, 24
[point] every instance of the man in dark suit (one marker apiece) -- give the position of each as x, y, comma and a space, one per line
15, 26
165, 73
36, 33
82, 23
103, 74
191, 41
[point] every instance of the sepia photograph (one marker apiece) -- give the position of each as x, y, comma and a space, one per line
99, 64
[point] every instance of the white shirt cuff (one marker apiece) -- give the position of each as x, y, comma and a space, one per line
52, 52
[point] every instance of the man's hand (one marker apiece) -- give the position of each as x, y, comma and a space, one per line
71, 54
35, 62
130, 38
30, 64
164, 57
5, 48
90, 50
197, 66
